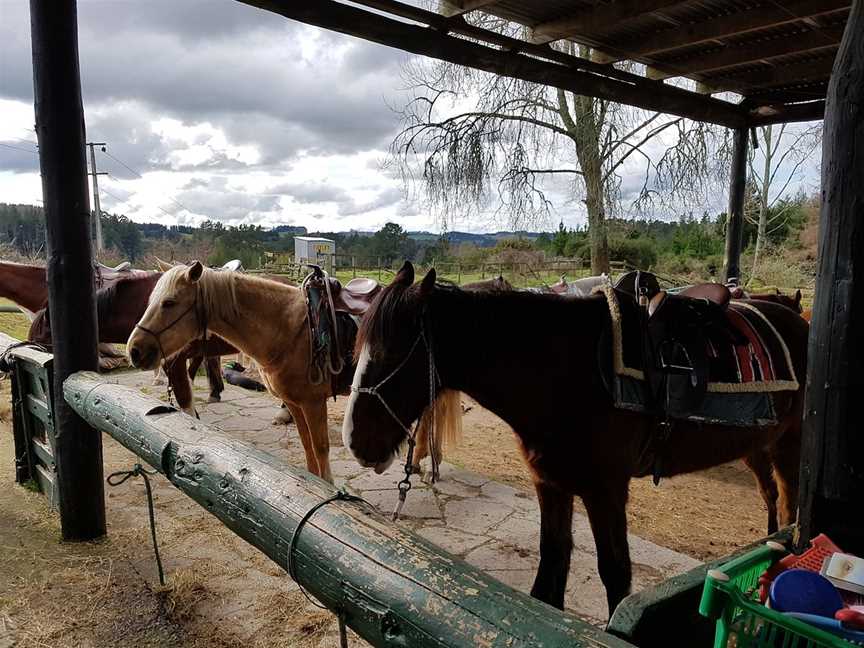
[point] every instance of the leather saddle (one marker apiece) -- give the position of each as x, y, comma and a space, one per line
355, 297
675, 331
333, 314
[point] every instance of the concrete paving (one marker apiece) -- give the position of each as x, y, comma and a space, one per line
490, 525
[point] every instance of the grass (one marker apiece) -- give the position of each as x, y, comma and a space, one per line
518, 279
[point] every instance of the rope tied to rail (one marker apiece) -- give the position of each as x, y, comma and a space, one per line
340, 495
117, 478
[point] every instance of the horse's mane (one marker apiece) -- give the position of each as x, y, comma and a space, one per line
217, 290
379, 321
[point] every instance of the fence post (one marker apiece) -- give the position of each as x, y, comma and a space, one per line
353, 265
458, 274
379, 269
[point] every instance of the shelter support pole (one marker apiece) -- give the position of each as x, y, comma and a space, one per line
60, 129
832, 464
735, 213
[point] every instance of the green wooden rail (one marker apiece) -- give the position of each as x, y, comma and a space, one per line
394, 588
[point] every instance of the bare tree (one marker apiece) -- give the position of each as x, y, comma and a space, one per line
781, 152
463, 130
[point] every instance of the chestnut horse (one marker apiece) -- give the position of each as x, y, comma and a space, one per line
522, 355
265, 319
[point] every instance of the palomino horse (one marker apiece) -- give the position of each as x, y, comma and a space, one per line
480, 344
120, 304
265, 319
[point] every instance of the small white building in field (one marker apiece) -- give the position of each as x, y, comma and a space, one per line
313, 249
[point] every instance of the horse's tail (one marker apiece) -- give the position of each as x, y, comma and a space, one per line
448, 417
446, 412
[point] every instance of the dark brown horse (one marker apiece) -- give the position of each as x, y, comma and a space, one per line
484, 344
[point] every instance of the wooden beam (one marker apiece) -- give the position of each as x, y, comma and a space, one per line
832, 452
60, 132
763, 50
393, 587
735, 213
596, 20
374, 27
719, 27
799, 112
452, 8
771, 76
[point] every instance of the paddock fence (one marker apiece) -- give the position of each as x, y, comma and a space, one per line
392, 587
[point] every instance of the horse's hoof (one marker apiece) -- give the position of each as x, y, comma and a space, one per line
214, 398
283, 418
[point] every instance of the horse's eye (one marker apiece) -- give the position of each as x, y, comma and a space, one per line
168, 303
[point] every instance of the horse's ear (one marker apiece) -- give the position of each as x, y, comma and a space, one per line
405, 276
195, 271
798, 298
164, 266
428, 282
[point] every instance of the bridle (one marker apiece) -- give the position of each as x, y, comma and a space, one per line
434, 381
200, 319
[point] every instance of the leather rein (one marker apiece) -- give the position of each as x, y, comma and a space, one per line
434, 381
200, 318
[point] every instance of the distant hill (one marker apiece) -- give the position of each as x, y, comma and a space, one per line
480, 240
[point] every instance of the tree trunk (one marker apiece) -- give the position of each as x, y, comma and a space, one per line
762, 229
586, 136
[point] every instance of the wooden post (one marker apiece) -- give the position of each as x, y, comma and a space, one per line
60, 129
735, 214
379, 269
458, 274
832, 463
353, 265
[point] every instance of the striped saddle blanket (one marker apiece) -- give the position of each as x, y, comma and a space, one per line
745, 359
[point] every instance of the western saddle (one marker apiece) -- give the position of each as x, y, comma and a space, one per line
674, 332
333, 313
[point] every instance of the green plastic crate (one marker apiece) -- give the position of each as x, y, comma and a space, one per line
731, 597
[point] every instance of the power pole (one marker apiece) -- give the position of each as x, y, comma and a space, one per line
97, 209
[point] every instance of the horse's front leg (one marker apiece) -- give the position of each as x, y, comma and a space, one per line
607, 513
556, 544
175, 369
214, 377
315, 413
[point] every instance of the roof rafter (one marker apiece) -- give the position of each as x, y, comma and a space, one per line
596, 19
769, 77
763, 50
452, 8
720, 27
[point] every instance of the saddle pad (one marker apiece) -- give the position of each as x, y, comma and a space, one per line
759, 364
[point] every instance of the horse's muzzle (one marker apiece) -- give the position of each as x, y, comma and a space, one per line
142, 355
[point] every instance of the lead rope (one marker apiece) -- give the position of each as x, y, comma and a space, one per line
405, 485
292, 545
117, 478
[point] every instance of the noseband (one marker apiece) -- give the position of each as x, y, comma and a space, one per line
200, 319
434, 381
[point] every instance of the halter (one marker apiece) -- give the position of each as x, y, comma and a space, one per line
200, 318
434, 380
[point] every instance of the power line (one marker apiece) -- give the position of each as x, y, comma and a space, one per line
130, 169
123, 200
15, 148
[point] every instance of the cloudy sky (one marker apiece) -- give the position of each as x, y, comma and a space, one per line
213, 109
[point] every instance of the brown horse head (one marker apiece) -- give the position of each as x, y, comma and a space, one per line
793, 302
497, 284
394, 350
